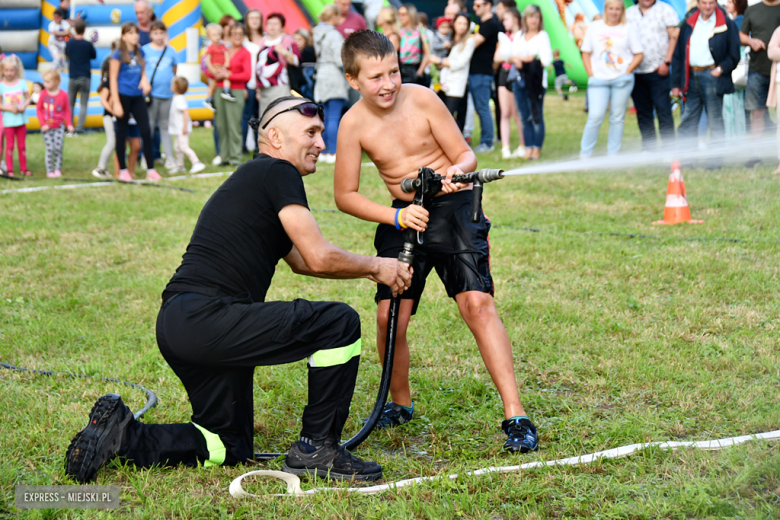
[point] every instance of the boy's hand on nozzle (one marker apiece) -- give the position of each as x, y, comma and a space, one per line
415, 217
447, 186
396, 275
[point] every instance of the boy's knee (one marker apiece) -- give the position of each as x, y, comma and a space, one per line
478, 305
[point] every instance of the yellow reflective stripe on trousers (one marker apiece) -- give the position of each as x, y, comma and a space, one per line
334, 356
214, 444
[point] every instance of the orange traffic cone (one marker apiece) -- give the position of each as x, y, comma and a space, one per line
676, 209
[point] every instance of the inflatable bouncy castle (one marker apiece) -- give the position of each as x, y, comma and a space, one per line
24, 32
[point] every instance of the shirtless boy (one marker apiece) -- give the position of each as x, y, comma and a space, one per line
402, 129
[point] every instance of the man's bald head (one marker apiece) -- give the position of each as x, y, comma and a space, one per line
274, 110
290, 135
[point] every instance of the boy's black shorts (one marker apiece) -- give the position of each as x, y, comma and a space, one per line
456, 247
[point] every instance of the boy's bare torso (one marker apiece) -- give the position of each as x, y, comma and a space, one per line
401, 141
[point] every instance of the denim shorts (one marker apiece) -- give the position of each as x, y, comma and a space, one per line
756, 91
132, 131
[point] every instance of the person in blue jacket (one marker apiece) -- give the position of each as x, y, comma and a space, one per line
706, 53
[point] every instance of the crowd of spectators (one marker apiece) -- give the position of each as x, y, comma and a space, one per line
718, 61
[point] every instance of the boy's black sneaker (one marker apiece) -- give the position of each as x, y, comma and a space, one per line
226, 95
100, 440
393, 415
329, 461
209, 103
521, 435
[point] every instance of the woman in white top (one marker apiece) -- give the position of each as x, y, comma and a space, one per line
611, 50
532, 54
507, 75
455, 69
254, 38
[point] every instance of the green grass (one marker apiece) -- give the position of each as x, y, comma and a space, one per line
617, 340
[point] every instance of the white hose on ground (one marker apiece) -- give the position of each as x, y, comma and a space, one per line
294, 483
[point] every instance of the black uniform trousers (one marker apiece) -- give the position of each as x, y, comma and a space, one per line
214, 343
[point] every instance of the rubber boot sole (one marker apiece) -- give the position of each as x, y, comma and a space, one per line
99, 441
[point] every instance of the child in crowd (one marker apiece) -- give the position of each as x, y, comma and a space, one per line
59, 30
80, 53
180, 126
161, 65
54, 115
15, 97
442, 38
37, 88
104, 90
561, 79
215, 62
129, 85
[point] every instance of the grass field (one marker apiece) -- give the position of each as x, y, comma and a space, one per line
617, 340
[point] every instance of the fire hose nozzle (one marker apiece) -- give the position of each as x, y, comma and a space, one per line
410, 185
490, 175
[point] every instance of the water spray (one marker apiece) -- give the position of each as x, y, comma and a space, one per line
687, 152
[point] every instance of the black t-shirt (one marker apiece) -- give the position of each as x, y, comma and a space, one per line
760, 22
308, 55
482, 61
239, 238
559, 68
80, 53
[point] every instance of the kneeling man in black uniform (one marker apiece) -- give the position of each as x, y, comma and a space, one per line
215, 326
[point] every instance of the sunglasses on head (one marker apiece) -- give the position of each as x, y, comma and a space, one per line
307, 109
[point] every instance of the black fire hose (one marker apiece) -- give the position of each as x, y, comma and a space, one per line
425, 187
151, 398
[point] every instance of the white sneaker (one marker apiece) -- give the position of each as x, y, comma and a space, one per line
197, 167
101, 173
2, 166
217, 160
506, 153
520, 152
144, 166
171, 166
331, 158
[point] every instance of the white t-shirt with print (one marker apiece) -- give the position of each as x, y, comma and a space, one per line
59, 27
653, 28
176, 116
611, 48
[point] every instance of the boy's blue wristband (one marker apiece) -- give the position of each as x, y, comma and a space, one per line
397, 224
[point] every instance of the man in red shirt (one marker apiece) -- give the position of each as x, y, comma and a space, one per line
351, 21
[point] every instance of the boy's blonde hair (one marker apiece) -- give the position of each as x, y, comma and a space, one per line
52, 74
180, 84
215, 27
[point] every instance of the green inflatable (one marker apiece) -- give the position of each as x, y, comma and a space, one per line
560, 40
213, 10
